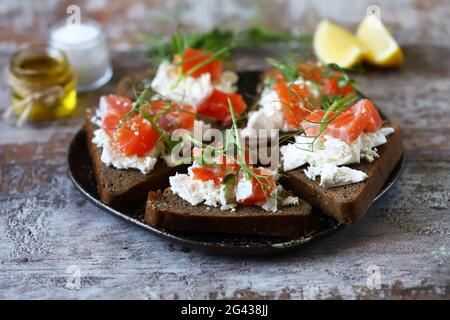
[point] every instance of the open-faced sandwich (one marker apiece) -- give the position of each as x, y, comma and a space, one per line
194, 74
343, 151
129, 144
225, 199
226, 194
340, 169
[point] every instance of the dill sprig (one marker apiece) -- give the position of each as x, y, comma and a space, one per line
290, 71
164, 48
344, 78
338, 106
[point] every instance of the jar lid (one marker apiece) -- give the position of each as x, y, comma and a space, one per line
76, 36
18, 62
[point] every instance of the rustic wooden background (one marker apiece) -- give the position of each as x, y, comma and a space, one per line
48, 230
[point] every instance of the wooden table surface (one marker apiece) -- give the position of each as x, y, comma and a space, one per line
49, 231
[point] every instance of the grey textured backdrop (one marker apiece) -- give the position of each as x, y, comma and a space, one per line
413, 21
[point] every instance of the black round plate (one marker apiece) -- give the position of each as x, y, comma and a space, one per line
82, 175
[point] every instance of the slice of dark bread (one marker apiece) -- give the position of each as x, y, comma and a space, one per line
119, 187
169, 211
349, 203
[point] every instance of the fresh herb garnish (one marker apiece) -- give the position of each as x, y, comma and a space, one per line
165, 48
343, 77
290, 71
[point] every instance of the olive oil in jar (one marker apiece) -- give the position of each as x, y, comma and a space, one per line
42, 84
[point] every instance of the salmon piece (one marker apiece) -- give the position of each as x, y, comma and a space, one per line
331, 87
193, 57
262, 189
216, 106
170, 116
206, 175
276, 75
115, 108
347, 126
310, 71
135, 137
373, 118
329, 84
295, 102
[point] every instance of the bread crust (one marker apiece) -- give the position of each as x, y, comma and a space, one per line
168, 211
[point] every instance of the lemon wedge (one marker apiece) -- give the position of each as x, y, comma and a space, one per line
334, 44
380, 48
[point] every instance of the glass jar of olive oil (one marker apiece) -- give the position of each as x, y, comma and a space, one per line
42, 84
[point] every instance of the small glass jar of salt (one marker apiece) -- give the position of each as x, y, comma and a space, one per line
85, 46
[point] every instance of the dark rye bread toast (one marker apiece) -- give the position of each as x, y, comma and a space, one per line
169, 211
349, 203
119, 187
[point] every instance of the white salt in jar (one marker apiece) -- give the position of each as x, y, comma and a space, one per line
85, 46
